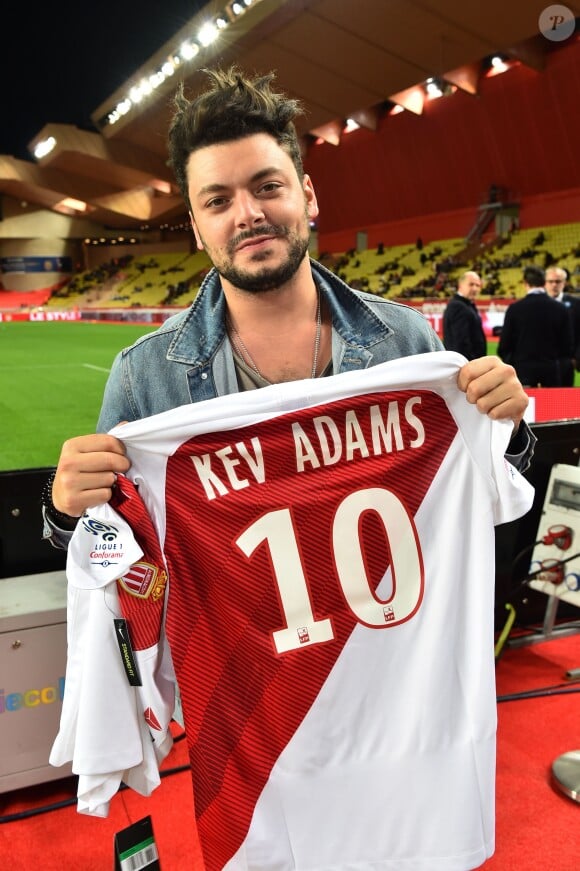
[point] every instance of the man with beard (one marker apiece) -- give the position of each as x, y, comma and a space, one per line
265, 314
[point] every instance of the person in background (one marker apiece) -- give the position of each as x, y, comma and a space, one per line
462, 328
536, 336
556, 282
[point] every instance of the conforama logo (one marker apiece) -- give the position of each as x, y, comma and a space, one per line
32, 698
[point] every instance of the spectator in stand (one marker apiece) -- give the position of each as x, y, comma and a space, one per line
556, 282
536, 336
539, 239
462, 327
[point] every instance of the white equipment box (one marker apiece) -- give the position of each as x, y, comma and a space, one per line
32, 672
556, 557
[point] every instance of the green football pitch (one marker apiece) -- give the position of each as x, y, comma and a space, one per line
52, 377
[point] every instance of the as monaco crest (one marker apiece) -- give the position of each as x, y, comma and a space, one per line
144, 580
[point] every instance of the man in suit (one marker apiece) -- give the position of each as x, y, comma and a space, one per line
556, 280
462, 328
536, 336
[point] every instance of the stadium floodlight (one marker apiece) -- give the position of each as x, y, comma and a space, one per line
433, 89
238, 7
120, 109
498, 64
145, 87
189, 50
136, 94
45, 147
124, 106
74, 204
207, 34
157, 78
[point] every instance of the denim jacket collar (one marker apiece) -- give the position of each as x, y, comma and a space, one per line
202, 332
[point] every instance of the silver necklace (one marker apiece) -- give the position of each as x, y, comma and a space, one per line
245, 355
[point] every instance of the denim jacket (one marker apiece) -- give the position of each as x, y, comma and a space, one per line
190, 357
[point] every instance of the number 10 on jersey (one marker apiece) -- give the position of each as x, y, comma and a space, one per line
276, 529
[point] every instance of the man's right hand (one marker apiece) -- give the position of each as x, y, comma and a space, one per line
86, 472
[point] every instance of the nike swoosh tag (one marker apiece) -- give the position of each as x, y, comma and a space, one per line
127, 654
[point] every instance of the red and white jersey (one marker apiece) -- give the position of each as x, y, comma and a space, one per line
330, 551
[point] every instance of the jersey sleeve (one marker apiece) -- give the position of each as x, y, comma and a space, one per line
112, 732
514, 494
487, 442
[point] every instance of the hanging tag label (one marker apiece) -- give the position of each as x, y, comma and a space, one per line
127, 654
135, 848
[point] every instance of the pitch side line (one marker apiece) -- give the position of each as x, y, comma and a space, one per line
44, 366
96, 368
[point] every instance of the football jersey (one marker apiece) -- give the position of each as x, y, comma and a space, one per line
329, 547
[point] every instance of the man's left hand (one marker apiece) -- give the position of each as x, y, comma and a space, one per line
494, 387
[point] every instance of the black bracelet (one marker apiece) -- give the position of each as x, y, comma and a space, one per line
49, 506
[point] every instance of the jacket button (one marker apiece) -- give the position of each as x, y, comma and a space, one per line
203, 376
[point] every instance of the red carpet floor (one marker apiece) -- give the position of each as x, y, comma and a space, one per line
538, 828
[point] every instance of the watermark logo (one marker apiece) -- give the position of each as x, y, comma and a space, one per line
557, 22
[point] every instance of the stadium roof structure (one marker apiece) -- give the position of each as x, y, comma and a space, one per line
343, 59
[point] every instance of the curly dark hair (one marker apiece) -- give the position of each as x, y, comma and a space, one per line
232, 108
